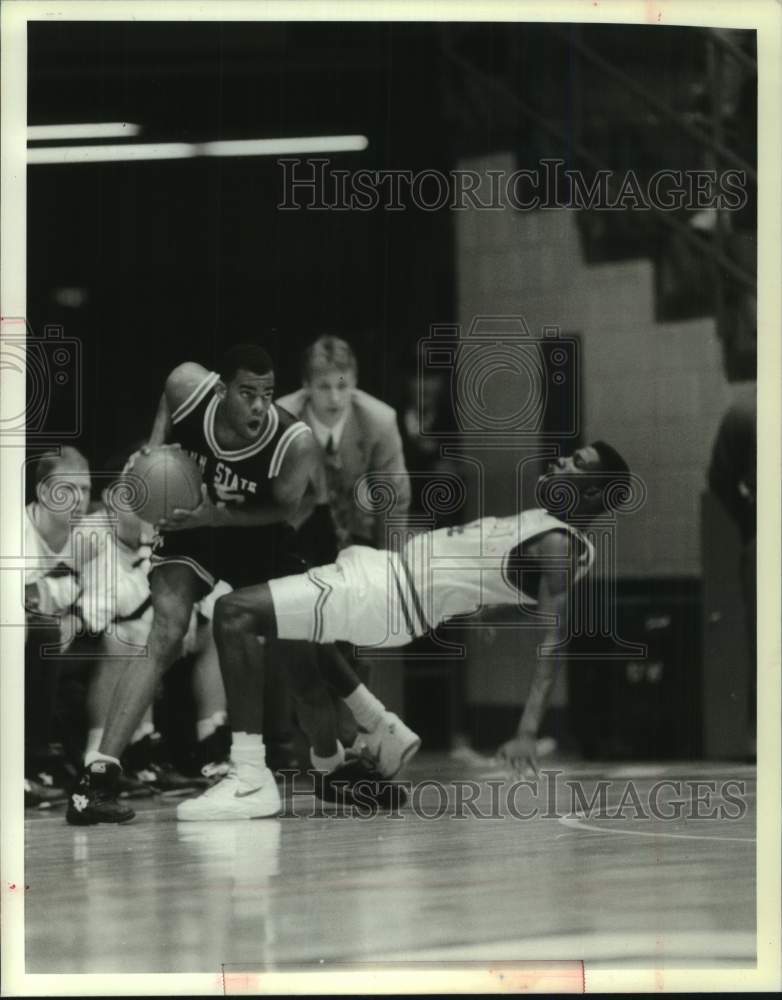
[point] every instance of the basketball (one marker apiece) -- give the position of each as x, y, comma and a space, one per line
169, 480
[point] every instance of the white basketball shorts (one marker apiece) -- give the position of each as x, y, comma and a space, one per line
364, 598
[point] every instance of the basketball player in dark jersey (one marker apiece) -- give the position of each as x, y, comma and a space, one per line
256, 461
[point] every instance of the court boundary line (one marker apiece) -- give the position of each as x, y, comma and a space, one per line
577, 823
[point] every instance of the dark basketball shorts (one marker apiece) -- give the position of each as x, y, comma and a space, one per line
240, 556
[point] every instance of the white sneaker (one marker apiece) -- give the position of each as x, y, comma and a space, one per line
228, 799
391, 744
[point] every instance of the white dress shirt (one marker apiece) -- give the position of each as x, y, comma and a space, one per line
322, 432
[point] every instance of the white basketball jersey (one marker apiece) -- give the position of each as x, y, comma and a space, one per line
116, 586
458, 570
114, 583
56, 573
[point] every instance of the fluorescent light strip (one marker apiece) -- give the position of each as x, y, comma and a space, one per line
186, 150
105, 154
280, 147
90, 130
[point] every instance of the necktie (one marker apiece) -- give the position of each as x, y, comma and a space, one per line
338, 502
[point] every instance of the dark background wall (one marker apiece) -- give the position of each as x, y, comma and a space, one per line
178, 259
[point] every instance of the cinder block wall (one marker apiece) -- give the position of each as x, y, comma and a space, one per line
656, 391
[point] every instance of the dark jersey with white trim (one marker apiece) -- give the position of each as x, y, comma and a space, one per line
242, 478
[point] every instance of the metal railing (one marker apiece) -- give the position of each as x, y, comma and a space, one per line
703, 139
715, 252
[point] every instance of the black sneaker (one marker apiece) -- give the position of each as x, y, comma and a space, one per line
38, 795
52, 772
284, 755
54, 788
146, 760
136, 786
357, 783
94, 799
137, 756
212, 755
169, 781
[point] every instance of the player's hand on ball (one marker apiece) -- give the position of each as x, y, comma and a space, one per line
520, 754
201, 516
132, 459
145, 450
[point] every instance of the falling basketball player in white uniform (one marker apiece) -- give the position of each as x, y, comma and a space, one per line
379, 598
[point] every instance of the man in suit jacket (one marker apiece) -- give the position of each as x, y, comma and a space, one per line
358, 434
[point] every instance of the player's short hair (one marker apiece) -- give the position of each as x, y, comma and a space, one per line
50, 460
328, 351
250, 357
615, 489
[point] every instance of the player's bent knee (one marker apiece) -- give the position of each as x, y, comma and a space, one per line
231, 616
168, 633
247, 610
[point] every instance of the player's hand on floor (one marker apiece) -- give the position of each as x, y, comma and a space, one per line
184, 520
520, 755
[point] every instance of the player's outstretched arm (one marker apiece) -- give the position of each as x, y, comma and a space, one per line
553, 600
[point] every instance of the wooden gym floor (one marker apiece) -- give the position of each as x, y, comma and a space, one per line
278, 894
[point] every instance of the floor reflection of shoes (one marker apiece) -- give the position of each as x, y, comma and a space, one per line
247, 850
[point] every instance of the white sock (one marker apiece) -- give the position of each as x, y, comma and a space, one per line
95, 755
205, 727
328, 764
249, 755
366, 709
94, 736
145, 729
